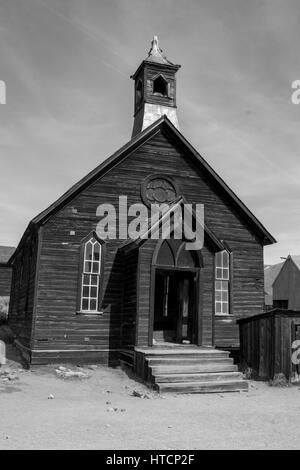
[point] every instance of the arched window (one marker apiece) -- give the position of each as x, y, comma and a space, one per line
173, 253
160, 86
185, 258
222, 283
91, 275
165, 256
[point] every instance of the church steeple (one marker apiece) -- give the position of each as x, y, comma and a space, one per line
155, 89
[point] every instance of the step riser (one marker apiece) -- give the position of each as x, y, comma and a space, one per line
127, 359
186, 361
197, 369
197, 378
212, 387
188, 356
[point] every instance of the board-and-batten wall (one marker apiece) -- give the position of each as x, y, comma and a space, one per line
58, 326
266, 343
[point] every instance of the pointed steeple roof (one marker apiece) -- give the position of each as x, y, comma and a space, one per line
156, 54
156, 57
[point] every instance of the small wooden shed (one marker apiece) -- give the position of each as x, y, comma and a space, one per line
266, 342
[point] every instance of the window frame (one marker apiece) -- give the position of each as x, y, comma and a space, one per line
139, 93
223, 277
176, 247
281, 304
99, 274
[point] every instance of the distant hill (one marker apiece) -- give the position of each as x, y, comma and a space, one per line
5, 253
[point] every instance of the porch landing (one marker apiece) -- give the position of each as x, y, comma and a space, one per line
187, 369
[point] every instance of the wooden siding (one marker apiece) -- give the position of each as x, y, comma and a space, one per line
207, 297
58, 325
129, 317
150, 74
5, 280
21, 308
147, 74
266, 341
247, 289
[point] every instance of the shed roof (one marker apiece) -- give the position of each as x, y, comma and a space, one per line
295, 314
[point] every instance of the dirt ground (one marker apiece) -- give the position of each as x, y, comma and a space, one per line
40, 410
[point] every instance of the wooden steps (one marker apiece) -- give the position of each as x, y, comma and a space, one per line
188, 370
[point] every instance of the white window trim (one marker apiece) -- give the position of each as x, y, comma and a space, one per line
90, 273
222, 279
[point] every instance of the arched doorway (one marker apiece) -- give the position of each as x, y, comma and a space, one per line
176, 278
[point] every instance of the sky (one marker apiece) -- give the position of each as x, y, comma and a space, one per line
69, 98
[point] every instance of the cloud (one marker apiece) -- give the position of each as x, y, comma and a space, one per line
70, 99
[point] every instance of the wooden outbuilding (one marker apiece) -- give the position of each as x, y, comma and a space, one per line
79, 297
267, 343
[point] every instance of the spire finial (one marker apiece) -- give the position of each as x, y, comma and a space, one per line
156, 54
155, 49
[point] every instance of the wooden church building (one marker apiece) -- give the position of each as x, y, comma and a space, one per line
168, 311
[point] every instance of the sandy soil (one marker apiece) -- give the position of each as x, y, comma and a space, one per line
81, 415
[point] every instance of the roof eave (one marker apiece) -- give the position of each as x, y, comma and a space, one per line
169, 66
17, 250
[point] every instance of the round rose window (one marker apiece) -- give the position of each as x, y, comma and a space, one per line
159, 190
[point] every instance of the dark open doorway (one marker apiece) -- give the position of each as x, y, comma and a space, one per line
176, 294
174, 306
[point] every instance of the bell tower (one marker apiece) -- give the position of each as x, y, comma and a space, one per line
154, 89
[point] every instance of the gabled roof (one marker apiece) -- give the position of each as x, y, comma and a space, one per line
5, 253
163, 124
296, 261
